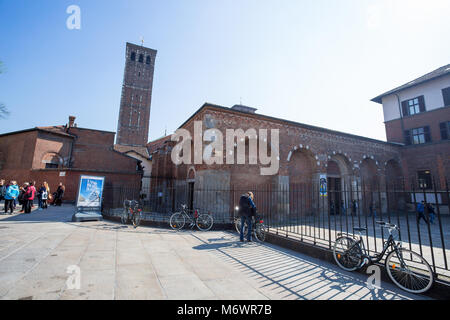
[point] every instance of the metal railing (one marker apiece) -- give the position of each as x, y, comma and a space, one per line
299, 211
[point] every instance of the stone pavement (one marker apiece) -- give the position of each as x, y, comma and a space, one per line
118, 262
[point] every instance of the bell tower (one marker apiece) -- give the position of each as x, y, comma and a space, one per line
135, 103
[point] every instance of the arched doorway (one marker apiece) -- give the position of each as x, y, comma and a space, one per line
338, 176
394, 186
301, 170
370, 186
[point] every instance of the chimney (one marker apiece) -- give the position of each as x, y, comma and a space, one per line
71, 121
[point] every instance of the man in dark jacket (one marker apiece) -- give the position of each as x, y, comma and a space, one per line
247, 210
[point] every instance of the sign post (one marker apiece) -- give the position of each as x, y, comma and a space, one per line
89, 199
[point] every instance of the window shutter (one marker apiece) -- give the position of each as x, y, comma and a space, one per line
407, 134
426, 131
422, 104
405, 108
444, 130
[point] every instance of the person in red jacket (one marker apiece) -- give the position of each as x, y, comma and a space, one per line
29, 197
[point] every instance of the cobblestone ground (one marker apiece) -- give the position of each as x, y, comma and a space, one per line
118, 262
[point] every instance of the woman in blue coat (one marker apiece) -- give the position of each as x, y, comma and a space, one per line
12, 192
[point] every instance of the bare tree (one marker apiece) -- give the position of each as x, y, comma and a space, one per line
3, 110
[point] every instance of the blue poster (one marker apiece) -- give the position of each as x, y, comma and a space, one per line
90, 192
323, 190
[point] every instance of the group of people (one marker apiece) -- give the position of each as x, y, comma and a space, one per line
421, 206
25, 195
342, 209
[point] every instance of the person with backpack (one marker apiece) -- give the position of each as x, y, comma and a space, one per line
247, 210
431, 213
59, 195
42, 196
12, 192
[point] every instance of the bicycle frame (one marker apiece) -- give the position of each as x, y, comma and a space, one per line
192, 219
389, 243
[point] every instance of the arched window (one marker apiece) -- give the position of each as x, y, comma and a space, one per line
141, 58
133, 56
148, 60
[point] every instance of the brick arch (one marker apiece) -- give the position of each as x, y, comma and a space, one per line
343, 163
301, 166
369, 173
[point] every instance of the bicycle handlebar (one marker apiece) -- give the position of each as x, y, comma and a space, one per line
387, 225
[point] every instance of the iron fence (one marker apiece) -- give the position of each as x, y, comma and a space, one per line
299, 211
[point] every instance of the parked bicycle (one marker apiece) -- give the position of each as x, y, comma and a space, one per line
132, 211
407, 269
259, 230
203, 221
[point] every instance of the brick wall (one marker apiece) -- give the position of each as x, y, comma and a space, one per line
308, 148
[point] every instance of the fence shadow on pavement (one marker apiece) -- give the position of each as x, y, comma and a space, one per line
291, 276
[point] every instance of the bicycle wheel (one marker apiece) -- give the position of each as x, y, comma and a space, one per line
409, 271
124, 216
136, 219
260, 232
347, 253
237, 224
177, 221
204, 222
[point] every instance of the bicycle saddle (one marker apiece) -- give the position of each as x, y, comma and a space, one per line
360, 229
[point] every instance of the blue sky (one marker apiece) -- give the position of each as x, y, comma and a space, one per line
318, 62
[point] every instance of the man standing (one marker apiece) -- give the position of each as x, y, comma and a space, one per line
247, 210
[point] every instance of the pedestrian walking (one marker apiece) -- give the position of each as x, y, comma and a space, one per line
343, 208
431, 213
332, 208
373, 210
247, 210
354, 207
421, 212
12, 192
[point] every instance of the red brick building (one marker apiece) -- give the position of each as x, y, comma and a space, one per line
306, 153
417, 115
63, 153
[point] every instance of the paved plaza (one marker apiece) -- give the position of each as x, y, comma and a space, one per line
118, 262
